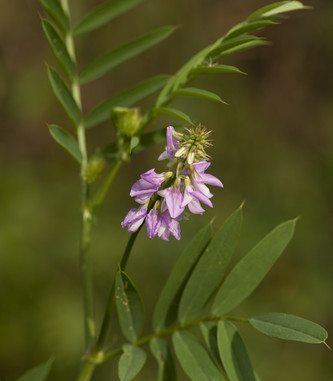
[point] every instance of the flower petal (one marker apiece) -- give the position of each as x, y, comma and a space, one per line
163, 156
202, 188
134, 218
201, 166
174, 198
187, 198
195, 207
152, 223
174, 228
211, 180
202, 198
172, 142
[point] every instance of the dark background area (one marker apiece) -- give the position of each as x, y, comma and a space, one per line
272, 148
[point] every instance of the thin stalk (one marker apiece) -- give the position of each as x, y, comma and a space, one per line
86, 371
96, 356
107, 316
104, 188
110, 354
86, 223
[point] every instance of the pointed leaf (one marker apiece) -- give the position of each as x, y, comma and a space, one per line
216, 69
126, 98
289, 327
211, 51
251, 269
66, 140
64, 96
249, 27
129, 307
130, 50
131, 362
208, 273
54, 9
173, 113
38, 373
104, 13
198, 93
276, 9
231, 43
59, 48
165, 309
244, 46
194, 358
166, 367
233, 352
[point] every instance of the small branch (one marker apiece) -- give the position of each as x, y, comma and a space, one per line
110, 354
104, 188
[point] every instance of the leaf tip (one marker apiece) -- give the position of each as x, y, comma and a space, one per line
295, 220
327, 346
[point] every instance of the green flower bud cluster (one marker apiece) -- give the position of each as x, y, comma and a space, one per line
126, 120
93, 169
193, 143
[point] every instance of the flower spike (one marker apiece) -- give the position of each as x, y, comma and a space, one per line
165, 196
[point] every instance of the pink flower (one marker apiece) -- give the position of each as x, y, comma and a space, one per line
134, 218
148, 184
172, 145
164, 197
174, 199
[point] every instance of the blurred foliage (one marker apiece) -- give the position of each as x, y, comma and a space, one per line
273, 148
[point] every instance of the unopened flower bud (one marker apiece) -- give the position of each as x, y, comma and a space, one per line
180, 152
94, 169
190, 157
126, 120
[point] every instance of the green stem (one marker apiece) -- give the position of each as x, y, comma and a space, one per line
85, 236
128, 249
108, 311
96, 355
86, 371
110, 354
104, 188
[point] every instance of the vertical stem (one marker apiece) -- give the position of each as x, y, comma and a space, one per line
107, 316
86, 223
97, 355
87, 371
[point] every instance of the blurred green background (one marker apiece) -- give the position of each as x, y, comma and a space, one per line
273, 148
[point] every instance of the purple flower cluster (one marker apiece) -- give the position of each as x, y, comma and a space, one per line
164, 197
